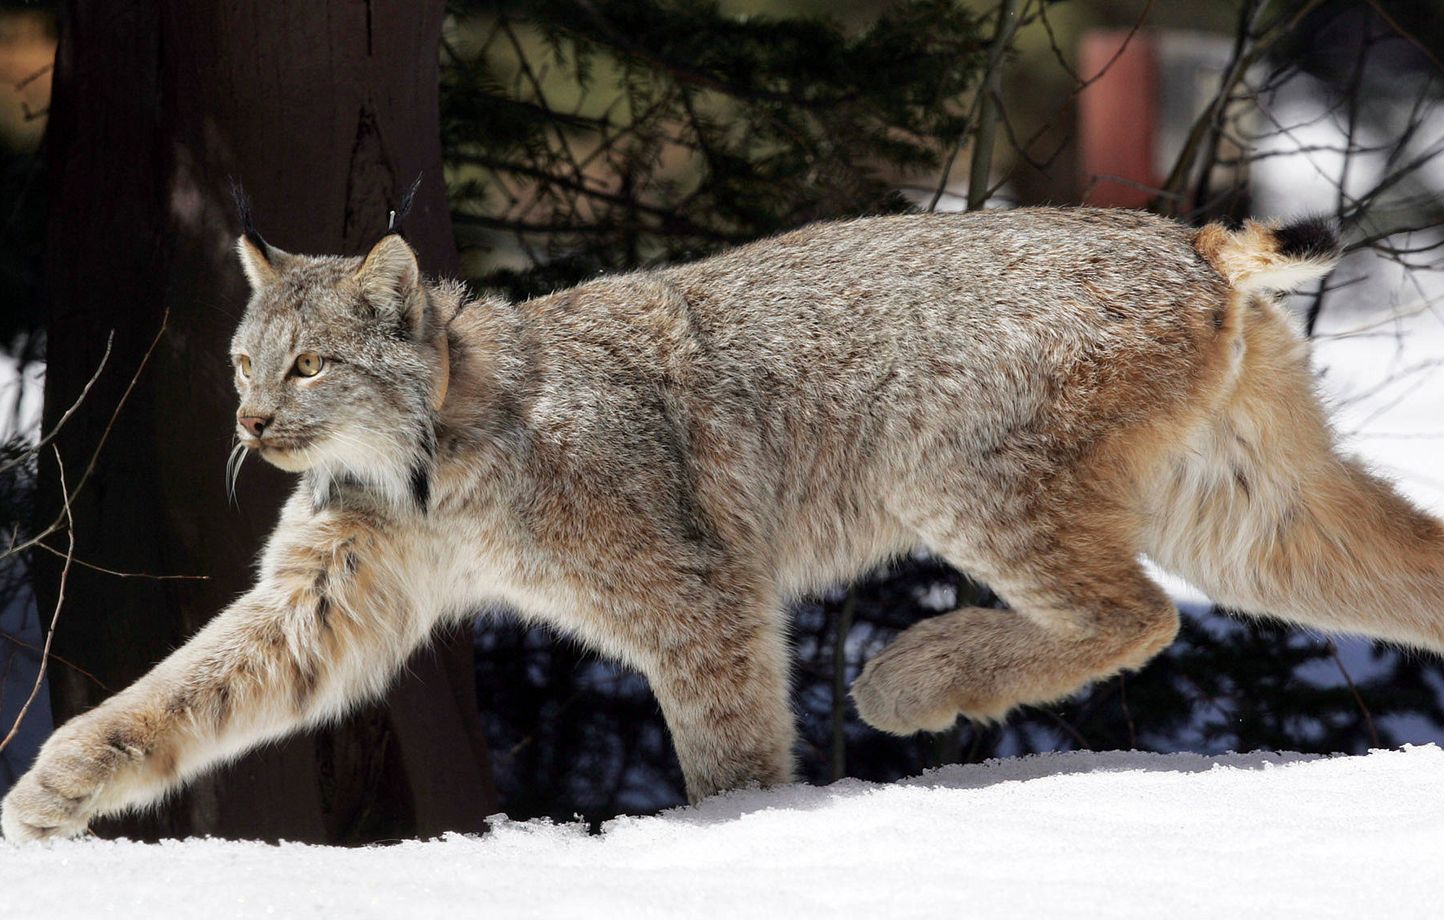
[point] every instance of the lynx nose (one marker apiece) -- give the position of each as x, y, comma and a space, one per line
255, 424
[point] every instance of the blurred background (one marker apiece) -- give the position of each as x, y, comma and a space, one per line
564, 138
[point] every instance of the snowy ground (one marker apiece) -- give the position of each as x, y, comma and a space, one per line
1061, 835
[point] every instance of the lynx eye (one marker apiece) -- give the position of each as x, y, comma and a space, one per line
243, 366
309, 364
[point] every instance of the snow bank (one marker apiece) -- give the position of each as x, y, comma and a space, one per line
1080, 834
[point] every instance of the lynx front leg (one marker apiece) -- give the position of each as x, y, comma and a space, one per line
724, 692
320, 631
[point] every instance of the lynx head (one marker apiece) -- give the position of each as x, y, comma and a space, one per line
338, 362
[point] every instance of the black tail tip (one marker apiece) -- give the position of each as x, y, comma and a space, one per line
1309, 238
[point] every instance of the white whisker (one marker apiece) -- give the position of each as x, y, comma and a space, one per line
233, 469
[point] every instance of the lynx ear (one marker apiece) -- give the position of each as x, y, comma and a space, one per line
390, 280
260, 261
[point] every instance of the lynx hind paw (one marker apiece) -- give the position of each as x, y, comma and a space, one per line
919, 684
894, 701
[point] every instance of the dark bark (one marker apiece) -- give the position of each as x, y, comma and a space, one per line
325, 111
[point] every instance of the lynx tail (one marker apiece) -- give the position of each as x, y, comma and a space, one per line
1265, 257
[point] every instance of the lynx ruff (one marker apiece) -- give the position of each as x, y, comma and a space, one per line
656, 463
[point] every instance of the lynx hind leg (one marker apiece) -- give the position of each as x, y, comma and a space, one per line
1265, 515
1082, 611
1314, 539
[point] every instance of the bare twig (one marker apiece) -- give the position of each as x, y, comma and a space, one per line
65, 417
100, 445
1405, 34
21, 643
1073, 733
100, 568
840, 631
1127, 712
982, 165
54, 616
1245, 54
1358, 699
1023, 148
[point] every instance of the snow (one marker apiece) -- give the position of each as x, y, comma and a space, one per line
1059, 835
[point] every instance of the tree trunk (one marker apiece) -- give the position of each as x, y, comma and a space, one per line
325, 111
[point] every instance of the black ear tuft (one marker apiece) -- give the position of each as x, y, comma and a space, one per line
1308, 238
248, 224
398, 217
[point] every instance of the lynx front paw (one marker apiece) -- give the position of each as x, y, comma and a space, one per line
59, 795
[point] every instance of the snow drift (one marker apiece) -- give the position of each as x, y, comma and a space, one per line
1079, 834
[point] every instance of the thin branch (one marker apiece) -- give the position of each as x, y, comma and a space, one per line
1127, 712
982, 165
1073, 733
1080, 84
54, 616
1244, 56
1358, 699
671, 220
840, 631
1405, 34
21, 643
100, 568
68, 412
100, 445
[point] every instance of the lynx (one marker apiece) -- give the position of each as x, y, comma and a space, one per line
656, 463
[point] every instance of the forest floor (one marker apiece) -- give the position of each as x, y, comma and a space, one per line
1057, 835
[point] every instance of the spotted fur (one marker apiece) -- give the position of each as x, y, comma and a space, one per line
657, 463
